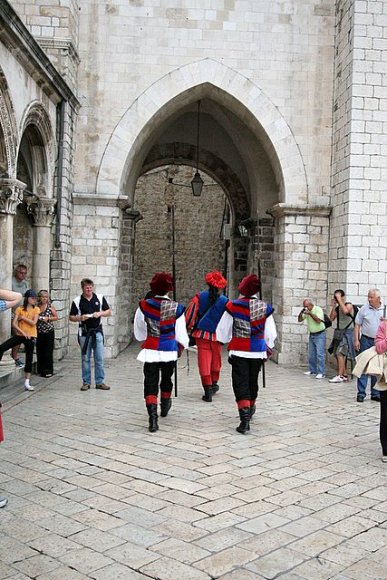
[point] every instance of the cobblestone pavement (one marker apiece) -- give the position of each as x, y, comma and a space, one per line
93, 494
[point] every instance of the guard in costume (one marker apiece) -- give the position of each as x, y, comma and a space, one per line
160, 323
248, 326
203, 315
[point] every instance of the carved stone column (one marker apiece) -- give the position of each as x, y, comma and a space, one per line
11, 192
42, 210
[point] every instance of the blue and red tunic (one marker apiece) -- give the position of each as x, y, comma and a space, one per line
249, 316
160, 317
202, 317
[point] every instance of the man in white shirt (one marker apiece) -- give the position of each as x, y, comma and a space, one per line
160, 323
249, 328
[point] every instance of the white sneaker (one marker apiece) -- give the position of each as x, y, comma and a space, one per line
29, 388
384, 458
337, 379
3, 502
308, 373
320, 376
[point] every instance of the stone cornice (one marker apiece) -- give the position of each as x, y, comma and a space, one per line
64, 44
101, 200
284, 209
21, 43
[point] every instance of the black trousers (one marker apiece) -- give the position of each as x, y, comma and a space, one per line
45, 352
244, 376
383, 421
152, 373
29, 344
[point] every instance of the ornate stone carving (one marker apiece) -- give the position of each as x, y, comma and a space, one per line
11, 195
42, 209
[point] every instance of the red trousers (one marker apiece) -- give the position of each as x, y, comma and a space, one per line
209, 360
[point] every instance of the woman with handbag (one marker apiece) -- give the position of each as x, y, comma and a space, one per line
46, 335
202, 317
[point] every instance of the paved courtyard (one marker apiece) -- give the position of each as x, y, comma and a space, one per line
93, 494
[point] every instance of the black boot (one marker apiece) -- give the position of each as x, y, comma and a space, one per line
244, 415
165, 405
252, 411
215, 388
152, 412
207, 397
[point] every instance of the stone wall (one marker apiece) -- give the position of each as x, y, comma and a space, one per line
199, 243
358, 257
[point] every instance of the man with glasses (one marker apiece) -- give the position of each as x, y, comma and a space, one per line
19, 284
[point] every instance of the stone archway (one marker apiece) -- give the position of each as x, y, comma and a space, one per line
35, 166
122, 160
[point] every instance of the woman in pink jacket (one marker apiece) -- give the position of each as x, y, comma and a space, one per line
381, 348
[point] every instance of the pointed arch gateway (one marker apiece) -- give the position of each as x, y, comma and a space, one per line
242, 109
122, 160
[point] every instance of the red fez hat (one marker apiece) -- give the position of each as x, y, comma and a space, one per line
216, 279
249, 285
161, 283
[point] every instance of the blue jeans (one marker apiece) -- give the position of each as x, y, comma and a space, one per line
362, 381
99, 371
316, 358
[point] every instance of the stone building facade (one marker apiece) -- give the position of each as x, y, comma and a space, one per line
292, 120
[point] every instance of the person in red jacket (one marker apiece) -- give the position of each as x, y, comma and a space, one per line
203, 315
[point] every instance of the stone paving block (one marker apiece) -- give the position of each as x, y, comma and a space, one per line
239, 574
268, 541
318, 569
371, 540
61, 525
272, 564
345, 554
183, 499
117, 572
12, 550
169, 569
5, 571
98, 520
138, 535
255, 509
22, 530
85, 560
263, 523
181, 530
303, 526
335, 513
132, 555
182, 551
316, 542
215, 523
147, 502
54, 546
223, 539
367, 570
62, 573
97, 540
36, 565
219, 505
182, 513
225, 561
351, 526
